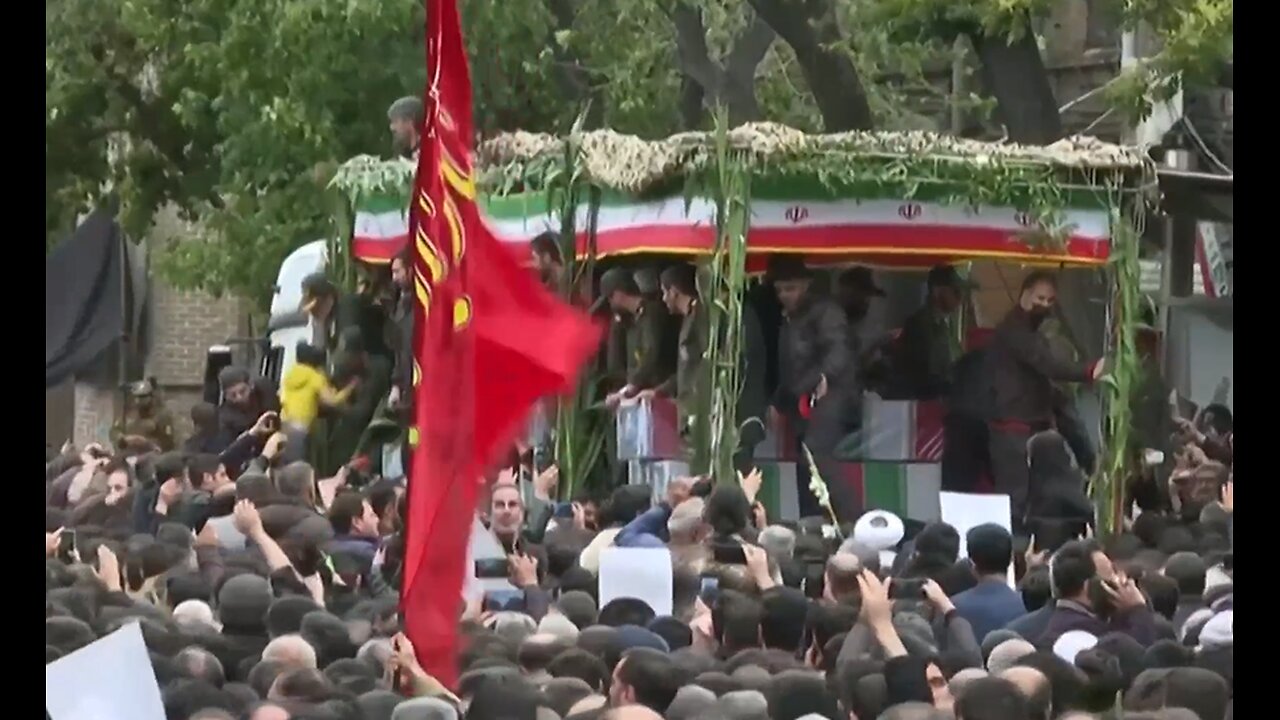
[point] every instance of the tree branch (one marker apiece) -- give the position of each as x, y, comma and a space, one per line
732, 83
749, 50
691, 49
573, 77
1015, 75
810, 29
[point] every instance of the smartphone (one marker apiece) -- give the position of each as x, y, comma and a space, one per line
67, 544
500, 600
491, 568
710, 590
728, 553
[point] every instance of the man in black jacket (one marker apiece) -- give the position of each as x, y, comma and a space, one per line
1023, 370
817, 391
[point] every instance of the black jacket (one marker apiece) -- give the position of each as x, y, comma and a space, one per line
814, 342
1023, 370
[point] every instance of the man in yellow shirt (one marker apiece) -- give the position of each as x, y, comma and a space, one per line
306, 388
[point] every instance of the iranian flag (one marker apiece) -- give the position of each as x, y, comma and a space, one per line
381, 228
798, 214
906, 489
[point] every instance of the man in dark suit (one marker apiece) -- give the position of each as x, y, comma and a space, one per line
991, 603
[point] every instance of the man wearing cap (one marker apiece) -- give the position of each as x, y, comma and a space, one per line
930, 342
817, 379
680, 295
1023, 370
648, 335
858, 294
146, 417
406, 117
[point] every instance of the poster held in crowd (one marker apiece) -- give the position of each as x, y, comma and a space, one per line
641, 573
110, 679
966, 511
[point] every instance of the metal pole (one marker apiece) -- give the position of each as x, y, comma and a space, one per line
1178, 262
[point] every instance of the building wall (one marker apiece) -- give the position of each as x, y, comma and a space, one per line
183, 324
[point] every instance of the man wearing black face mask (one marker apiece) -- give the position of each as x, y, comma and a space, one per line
1024, 369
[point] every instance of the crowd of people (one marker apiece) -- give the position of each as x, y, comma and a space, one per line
266, 592
262, 555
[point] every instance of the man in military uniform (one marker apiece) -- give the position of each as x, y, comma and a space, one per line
680, 294
818, 388
930, 342
406, 117
145, 416
649, 339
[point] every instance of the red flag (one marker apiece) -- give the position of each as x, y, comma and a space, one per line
490, 341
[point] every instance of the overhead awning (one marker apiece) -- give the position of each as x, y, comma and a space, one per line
1202, 196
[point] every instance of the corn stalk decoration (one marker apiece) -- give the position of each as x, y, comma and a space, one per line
1124, 373
722, 280
579, 431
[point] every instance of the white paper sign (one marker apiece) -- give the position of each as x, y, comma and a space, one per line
966, 511
110, 679
641, 573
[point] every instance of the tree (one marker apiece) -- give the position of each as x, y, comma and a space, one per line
229, 109
235, 111
1196, 36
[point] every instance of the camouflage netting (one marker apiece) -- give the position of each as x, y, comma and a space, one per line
631, 164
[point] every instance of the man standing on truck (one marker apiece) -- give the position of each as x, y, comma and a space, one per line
406, 117
650, 336
1023, 371
818, 391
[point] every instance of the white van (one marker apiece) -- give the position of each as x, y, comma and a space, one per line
288, 324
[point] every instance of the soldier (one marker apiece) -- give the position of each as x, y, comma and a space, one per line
145, 416
650, 335
930, 342
817, 379
406, 117
680, 294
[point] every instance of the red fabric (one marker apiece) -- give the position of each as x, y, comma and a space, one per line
489, 341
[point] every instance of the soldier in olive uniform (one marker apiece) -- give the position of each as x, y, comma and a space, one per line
145, 416
930, 342
649, 339
680, 294
818, 389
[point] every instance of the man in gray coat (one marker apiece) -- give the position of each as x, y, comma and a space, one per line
818, 391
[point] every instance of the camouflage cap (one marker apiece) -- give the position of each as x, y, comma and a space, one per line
407, 108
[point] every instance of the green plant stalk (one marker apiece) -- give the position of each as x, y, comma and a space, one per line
578, 434
722, 282
1123, 378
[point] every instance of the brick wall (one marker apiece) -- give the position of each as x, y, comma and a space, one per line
184, 324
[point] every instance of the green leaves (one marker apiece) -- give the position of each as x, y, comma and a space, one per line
224, 109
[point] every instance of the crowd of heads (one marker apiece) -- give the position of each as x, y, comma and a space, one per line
265, 592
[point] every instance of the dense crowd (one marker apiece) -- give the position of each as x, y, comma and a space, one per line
266, 592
